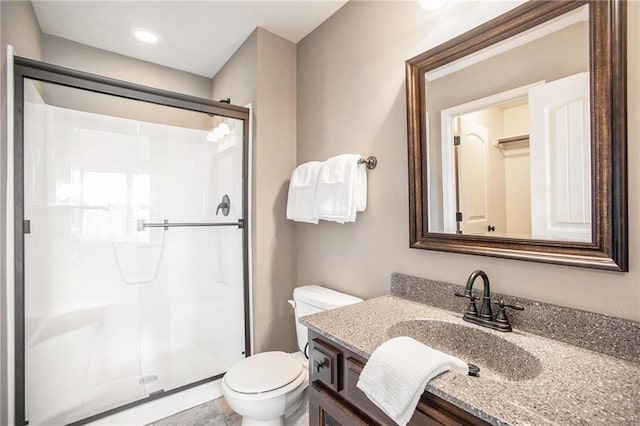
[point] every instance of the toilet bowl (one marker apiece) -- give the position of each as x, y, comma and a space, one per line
266, 388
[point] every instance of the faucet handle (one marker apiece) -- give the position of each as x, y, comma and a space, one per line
471, 307
468, 295
503, 305
501, 316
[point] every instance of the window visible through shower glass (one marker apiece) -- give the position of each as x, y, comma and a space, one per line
115, 314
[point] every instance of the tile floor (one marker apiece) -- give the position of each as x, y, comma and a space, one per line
218, 413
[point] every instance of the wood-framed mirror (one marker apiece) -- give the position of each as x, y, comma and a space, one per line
517, 137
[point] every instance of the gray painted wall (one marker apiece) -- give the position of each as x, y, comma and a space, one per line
275, 158
67, 53
351, 98
263, 72
238, 79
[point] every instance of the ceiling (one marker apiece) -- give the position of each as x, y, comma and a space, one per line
196, 36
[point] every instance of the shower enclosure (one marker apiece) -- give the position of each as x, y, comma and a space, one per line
131, 243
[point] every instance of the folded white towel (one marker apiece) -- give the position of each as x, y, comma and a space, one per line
342, 189
397, 372
302, 192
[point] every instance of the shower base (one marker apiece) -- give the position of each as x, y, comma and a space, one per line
164, 407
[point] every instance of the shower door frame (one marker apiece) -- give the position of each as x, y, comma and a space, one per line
35, 70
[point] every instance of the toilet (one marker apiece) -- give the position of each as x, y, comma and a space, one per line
267, 387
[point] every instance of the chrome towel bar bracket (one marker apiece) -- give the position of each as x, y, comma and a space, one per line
371, 162
142, 225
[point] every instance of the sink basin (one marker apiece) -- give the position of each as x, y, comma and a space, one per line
494, 355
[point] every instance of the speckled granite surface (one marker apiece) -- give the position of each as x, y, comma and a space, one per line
531, 380
600, 333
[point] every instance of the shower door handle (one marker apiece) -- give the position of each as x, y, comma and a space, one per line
142, 225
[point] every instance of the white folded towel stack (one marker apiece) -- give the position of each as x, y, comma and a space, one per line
302, 192
342, 189
397, 372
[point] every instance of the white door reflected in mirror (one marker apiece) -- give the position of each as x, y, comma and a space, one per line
471, 159
508, 138
561, 152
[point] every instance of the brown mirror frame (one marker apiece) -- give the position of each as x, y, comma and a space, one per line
608, 93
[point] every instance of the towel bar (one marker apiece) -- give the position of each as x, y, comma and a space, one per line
371, 162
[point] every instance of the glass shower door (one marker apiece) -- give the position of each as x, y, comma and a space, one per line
119, 306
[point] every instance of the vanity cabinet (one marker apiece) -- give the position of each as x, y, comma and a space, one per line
334, 399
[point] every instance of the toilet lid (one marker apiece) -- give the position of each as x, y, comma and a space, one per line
263, 372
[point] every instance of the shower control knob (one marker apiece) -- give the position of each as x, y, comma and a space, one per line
225, 206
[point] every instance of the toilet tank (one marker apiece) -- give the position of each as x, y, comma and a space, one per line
311, 299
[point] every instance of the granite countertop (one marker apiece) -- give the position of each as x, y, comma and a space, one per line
574, 385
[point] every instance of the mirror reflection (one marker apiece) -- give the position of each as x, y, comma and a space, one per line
508, 139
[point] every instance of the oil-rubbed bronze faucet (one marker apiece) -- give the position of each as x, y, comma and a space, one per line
485, 317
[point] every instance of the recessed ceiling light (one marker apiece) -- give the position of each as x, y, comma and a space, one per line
145, 35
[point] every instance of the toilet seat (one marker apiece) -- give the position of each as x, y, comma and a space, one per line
265, 375
276, 393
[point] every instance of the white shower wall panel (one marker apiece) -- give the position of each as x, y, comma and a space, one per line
114, 314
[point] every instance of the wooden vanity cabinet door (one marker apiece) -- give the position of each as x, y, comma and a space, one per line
445, 413
325, 410
353, 368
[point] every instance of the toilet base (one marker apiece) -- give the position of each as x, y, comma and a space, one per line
294, 411
246, 421
295, 406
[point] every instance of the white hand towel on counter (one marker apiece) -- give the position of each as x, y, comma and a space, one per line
302, 192
397, 372
342, 189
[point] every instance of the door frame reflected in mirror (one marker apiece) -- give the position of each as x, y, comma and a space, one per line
607, 56
448, 116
